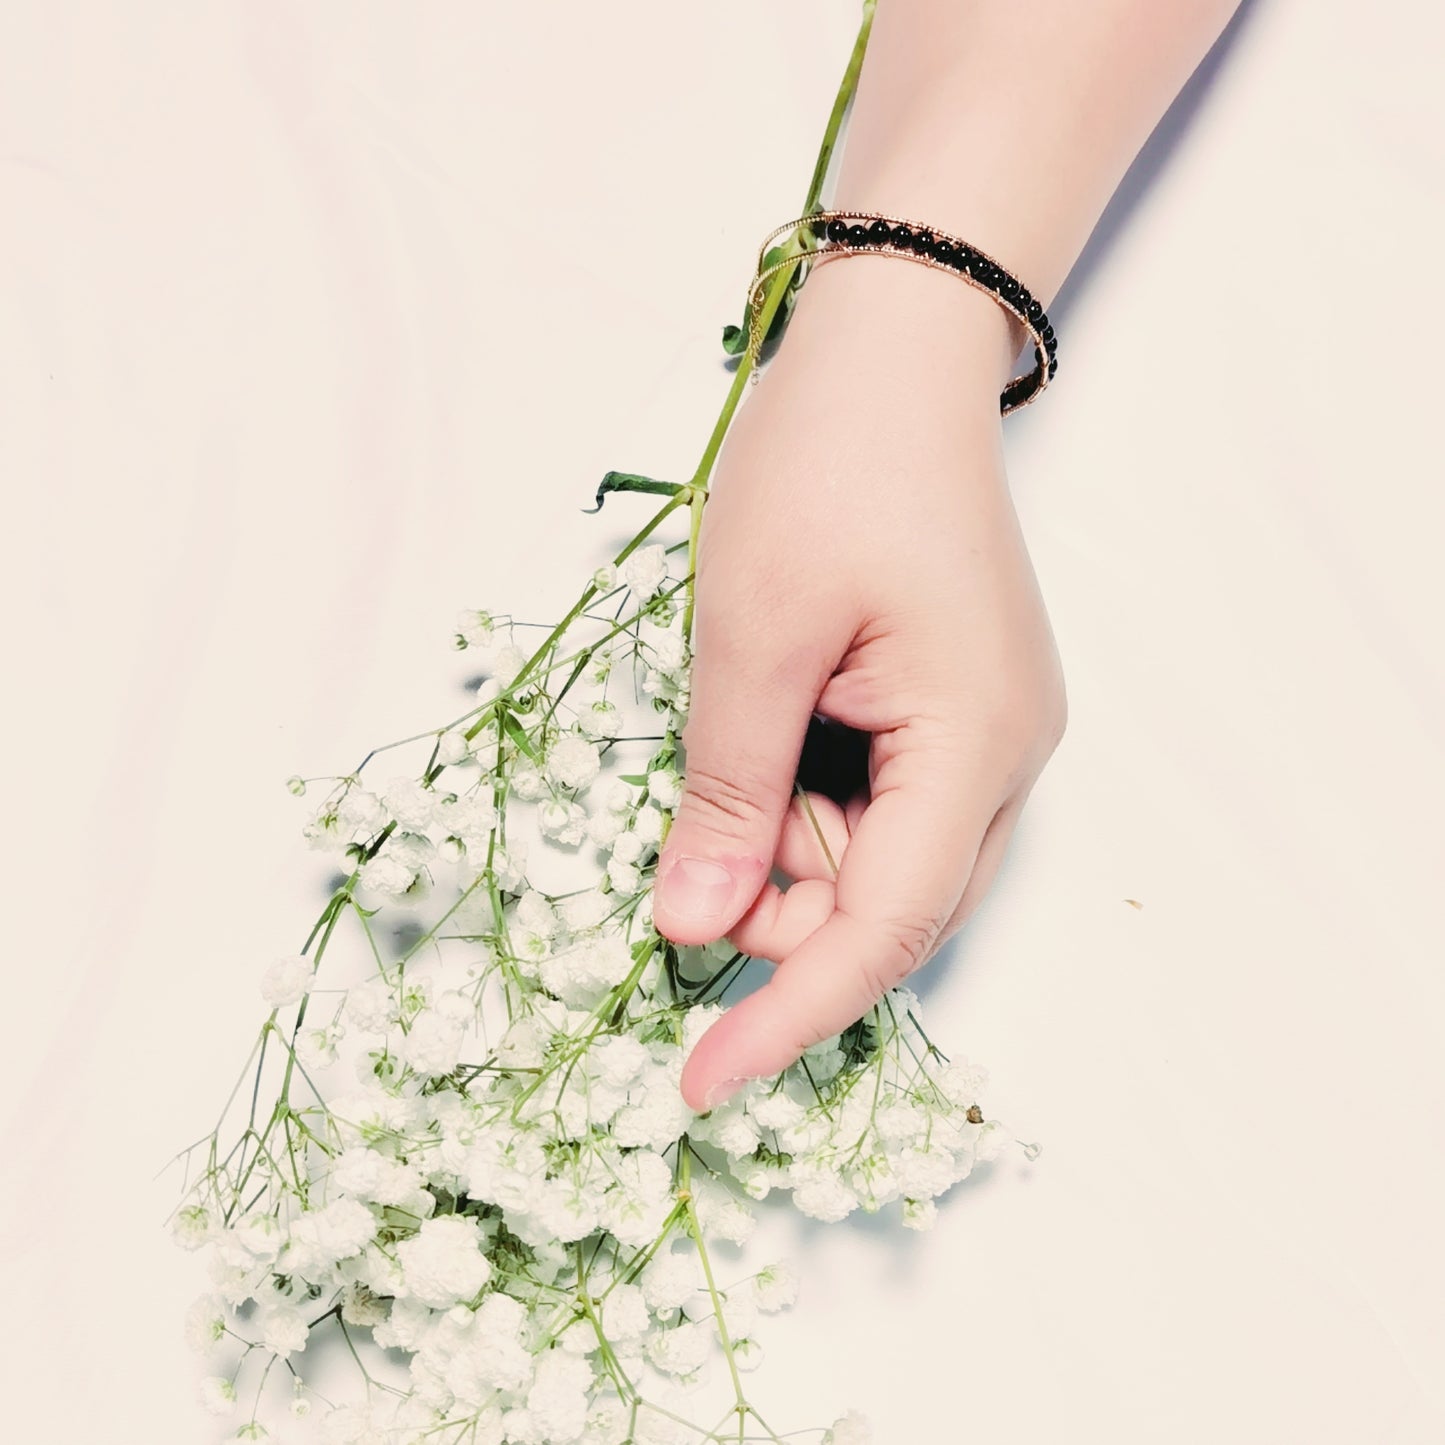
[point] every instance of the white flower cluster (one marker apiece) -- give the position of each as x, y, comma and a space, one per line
508, 1188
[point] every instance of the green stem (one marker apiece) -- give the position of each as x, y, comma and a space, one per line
846, 88
776, 290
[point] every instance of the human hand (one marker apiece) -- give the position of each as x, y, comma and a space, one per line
859, 558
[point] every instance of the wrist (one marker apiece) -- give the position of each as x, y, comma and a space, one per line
915, 317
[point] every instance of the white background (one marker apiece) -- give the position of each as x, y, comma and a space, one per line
321, 322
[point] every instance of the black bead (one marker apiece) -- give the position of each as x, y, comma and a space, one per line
837, 230
819, 229
1053, 367
944, 251
857, 235
903, 237
879, 232
923, 242
1035, 310
1010, 288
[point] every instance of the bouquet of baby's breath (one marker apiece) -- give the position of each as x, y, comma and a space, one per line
460, 1134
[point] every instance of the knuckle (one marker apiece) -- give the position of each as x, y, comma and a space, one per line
808, 1033
900, 947
721, 802
1023, 724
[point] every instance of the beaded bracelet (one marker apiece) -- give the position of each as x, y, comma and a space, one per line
853, 233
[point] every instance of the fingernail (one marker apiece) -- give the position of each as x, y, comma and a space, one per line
720, 1093
695, 888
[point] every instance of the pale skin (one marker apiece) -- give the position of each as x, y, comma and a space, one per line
860, 555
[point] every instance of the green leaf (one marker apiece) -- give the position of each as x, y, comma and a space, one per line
632, 482
518, 734
735, 338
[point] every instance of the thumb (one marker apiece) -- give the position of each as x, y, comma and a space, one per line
748, 716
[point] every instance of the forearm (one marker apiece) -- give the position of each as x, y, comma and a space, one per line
1011, 122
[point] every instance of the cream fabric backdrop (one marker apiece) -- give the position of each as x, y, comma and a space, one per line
321, 321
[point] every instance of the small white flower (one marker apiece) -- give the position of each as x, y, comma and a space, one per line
624, 877
604, 826
820, 1194
600, 720
470, 818
557, 1401
585, 910
206, 1322
191, 1227
287, 980
645, 571
507, 662
664, 787
564, 823
849, 1429
566, 1209
386, 875
648, 825
360, 812
535, 914
572, 761
663, 649
604, 579
433, 1044
680, 1349
452, 747
527, 783
371, 1006
747, 1352
261, 1236
991, 1139
617, 1059
411, 803
777, 1111
733, 1133
669, 1278
624, 1313
476, 627
321, 1237
218, 1394
362, 1306
509, 866
775, 1288
316, 1048
282, 1328
443, 1262
923, 1173
919, 1213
